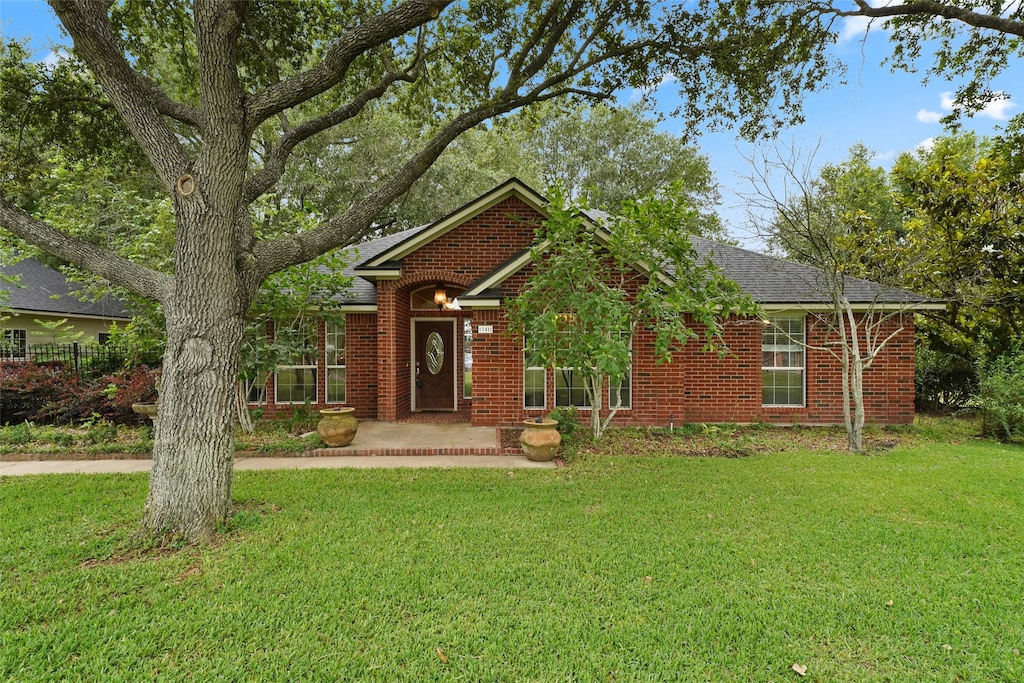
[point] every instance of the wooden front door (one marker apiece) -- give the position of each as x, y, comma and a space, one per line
434, 371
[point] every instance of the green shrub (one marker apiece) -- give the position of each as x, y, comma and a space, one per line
100, 431
55, 436
943, 382
17, 435
1001, 396
568, 420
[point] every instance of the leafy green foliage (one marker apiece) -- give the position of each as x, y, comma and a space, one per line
1001, 396
963, 207
568, 420
595, 284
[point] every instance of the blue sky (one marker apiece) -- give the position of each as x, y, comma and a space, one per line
890, 112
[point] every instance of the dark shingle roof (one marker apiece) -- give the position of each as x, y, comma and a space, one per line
772, 280
364, 291
767, 279
43, 289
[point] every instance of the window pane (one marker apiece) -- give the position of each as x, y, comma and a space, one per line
569, 389
782, 363
467, 358
336, 385
296, 385
533, 383
782, 387
334, 341
13, 344
258, 389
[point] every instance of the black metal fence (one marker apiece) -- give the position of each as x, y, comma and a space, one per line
88, 360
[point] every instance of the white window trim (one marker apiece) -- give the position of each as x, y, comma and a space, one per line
802, 368
278, 327
544, 390
467, 350
328, 324
18, 347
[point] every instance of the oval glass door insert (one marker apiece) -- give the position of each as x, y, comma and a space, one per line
435, 353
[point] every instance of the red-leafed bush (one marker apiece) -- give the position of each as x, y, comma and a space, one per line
51, 394
27, 388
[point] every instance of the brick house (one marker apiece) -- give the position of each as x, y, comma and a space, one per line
423, 336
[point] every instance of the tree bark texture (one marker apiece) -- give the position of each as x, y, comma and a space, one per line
193, 450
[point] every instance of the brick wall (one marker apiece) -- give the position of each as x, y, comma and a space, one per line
693, 387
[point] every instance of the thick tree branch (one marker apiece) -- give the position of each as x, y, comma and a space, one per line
994, 22
331, 70
139, 279
344, 229
274, 167
170, 107
133, 97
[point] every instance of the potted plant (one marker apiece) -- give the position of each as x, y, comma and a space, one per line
337, 426
540, 440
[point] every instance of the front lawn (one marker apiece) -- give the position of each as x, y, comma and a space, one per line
905, 566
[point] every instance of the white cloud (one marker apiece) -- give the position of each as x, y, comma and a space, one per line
637, 94
925, 145
884, 157
854, 28
997, 109
53, 57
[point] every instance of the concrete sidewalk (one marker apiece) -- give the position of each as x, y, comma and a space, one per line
377, 444
24, 467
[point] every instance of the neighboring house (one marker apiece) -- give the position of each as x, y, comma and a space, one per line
44, 294
423, 336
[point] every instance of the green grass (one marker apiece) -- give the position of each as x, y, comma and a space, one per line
615, 569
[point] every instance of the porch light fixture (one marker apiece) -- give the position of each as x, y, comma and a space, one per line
440, 296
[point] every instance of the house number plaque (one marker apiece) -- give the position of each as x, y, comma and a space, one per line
435, 353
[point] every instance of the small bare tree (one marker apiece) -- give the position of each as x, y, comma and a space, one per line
826, 220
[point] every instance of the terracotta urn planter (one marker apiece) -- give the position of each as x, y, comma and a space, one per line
337, 426
540, 439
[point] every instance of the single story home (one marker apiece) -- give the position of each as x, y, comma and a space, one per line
42, 294
423, 336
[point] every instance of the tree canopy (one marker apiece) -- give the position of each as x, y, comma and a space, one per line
969, 41
599, 279
209, 105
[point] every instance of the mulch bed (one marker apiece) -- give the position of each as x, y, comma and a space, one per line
737, 442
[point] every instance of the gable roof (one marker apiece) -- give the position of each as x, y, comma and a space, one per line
363, 291
43, 290
771, 281
387, 262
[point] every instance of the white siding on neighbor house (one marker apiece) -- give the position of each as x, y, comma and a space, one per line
37, 334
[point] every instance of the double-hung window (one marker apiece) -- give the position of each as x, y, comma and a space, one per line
534, 379
467, 358
14, 344
334, 342
295, 381
569, 390
782, 362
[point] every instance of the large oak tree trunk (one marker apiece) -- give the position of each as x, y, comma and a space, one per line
193, 451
